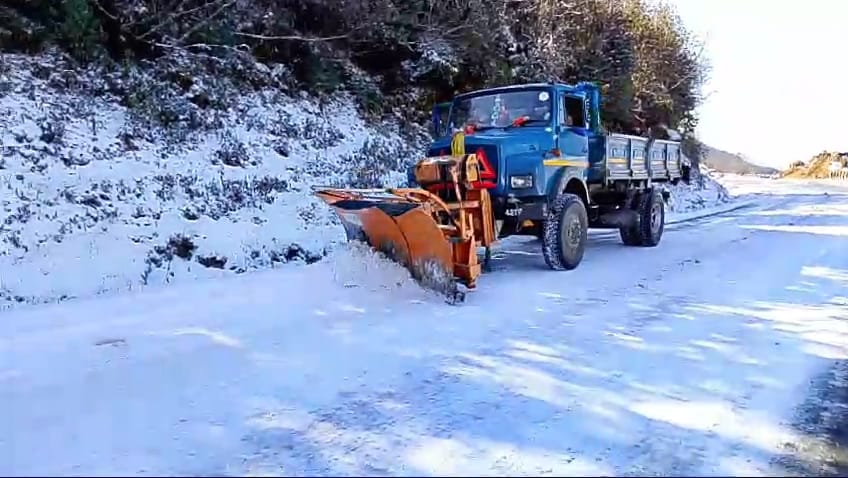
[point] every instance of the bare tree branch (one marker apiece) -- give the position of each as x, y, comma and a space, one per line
208, 19
292, 37
171, 15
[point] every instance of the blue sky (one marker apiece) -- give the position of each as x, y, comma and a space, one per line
779, 82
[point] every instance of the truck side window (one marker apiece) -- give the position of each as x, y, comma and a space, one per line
574, 111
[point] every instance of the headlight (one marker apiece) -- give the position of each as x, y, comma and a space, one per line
521, 182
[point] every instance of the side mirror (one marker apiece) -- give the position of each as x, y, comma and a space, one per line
436, 122
438, 126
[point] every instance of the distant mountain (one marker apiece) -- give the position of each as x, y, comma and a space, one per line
725, 162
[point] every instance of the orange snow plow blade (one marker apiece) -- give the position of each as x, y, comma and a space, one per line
432, 236
400, 229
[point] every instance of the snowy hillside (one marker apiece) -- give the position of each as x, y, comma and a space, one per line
98, 198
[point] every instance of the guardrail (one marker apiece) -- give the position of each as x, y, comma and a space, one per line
841, 174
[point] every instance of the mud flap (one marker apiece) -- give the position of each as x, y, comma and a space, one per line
407, 235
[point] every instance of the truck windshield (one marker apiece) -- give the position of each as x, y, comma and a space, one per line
499, 110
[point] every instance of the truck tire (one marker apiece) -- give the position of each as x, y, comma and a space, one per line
566, 231
649, 230
629, 236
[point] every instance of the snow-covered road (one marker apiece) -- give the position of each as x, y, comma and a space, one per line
688, 359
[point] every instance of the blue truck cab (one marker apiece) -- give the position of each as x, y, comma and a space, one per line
546, 147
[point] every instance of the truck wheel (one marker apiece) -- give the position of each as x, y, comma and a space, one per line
686, 174
651, 218
649, 230
629, 236
566, 232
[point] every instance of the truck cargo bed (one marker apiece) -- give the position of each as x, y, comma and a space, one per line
633, 157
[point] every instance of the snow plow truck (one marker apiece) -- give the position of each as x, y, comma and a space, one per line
529, 159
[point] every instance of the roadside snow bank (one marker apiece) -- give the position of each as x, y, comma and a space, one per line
116, 181
703, 192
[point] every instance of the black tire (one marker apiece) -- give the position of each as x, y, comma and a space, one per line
487, 260
566, 232
651, 218
686, 173
630, 237
649, 229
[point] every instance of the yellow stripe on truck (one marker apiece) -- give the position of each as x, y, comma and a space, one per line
458, 144
566, 162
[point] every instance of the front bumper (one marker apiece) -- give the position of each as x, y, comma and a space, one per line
519, 210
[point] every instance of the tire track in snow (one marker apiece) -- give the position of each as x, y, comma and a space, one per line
823, 419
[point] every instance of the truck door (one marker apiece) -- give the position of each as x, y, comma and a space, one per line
573, 126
